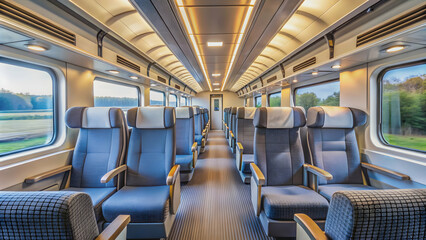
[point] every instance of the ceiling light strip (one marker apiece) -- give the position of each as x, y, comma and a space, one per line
194, 42
240, 37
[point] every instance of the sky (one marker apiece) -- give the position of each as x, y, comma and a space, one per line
321, 90
401, 74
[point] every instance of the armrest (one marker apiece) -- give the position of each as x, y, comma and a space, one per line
318, 171
232, 134
115, 228
194, 147
240, 147
41, 176
203, 133
257, 174
114, 172
239, 155
309, 228
171, 178
385, 171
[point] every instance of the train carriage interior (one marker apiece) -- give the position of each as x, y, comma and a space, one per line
212, 119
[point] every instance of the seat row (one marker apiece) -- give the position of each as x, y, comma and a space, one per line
134, 172
270, 155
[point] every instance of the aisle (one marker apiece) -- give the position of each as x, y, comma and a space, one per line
216, 204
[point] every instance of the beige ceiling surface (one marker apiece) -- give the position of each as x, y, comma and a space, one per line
121, 17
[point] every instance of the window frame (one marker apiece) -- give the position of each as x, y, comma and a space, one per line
272, 93
186, 101
118, 83
55, 106
256, 97
380, 106
164, 97
171, 94
311, 85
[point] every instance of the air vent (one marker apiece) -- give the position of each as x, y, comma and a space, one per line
161, 79
128, 64
32, 20
271, 79
177, 87
392, 26
305, 64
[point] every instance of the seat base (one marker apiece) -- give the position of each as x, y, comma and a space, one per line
245, 177
149, 230
276, 228
186, 176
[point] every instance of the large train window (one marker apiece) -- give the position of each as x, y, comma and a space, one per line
183, 101
274, 99
27, 106
403, 106
111, 94
157, 98
172, 100
258, 101
322, 94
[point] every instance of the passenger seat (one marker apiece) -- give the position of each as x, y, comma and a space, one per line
199, 138
232, 123
244, 135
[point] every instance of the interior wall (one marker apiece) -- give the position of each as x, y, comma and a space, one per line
286, 97
230, 99
264, 100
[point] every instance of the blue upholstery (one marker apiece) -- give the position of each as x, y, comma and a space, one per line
198, 139
247, 159
185, 162
377, 214
281, 203
143, 204
245, 128
47, 215
198, 129
328, 190
98, 196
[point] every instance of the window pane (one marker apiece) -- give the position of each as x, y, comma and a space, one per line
26, 107
157, 98
404, 107
172, 100
324, 94
275, 99
258, 101
183, 101
109, 94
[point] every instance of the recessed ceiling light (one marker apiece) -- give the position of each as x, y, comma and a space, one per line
216, 74
36, 47
395, 48
215, 44
336, 66
113, 71
216, 83
134, 77
315, 73
295, 80
153, 84
217, 89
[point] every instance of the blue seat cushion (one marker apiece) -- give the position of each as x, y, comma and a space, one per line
143, 204
185, 162
198, 139
282, 202
98, 196
329, 189
247, 159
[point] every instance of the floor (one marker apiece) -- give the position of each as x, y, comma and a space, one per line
216, 204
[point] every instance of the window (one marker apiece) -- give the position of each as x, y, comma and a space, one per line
322, 94
109, 94
183, 101
258, 101
172, 100
26, 106
157, 98
275, 99
403, 106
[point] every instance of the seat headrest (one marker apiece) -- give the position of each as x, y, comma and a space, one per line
279, 117
151, 117
94, 117
234, 110
184, 112
246, 112
301, 108
196, 110
335, 117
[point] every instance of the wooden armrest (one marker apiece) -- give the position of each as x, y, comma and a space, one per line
115, 228
385, 171
310, 227
114, 172
41, 176
257, 174
232, 134
194, 147
240, 147
318, 171
171, 178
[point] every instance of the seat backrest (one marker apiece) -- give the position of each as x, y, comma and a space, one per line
100, 146
197, 120
152, 145
185, 136
303, 131
377, 214
332, 142
203, 118
245, 128
277, 148
226, 115
47, 215
233, 120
